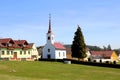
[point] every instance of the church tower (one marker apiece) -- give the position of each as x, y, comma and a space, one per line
50, 36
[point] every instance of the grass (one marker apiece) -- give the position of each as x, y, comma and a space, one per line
23, 70
118, 62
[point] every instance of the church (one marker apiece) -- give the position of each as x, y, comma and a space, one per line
53, 50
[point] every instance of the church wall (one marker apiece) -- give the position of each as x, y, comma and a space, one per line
51, 51
60, 54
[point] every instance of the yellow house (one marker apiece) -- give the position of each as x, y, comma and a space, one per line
17, 50
104, 56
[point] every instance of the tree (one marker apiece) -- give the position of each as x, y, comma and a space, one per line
78, 47
109, 47
104, 48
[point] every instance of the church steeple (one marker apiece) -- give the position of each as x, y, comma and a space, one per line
50, 36
49, 30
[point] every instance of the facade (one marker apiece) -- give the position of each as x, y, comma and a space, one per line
53, 50
17, 50
104, 56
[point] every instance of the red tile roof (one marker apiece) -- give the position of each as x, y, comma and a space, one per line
68, 50
5, 40
20, 41
4, 43
58, 45
101, 53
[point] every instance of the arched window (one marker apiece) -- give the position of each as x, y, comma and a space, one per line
49, 38
59, 54
63, 54
52, 38
48, 50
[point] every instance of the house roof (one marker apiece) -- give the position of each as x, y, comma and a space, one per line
68, 50
101, 53
4, 43
30, 45
5, 40
58, 45
21, 42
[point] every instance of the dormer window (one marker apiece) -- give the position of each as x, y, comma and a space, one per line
9, 44
24, 45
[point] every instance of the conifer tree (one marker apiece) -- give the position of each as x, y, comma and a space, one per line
109, 47
78, 47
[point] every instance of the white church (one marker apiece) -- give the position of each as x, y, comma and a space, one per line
53, 50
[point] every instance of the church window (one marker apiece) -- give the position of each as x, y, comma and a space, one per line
48, 38
48, 50
63, 54
59, 54
52, 38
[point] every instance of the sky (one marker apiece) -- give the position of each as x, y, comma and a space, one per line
28, 19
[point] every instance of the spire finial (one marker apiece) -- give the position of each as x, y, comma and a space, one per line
49, 31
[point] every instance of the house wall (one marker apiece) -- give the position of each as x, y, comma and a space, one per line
119, 56
88, 55
114, 56
34, 52
10, 53
23, 53
6, 54
60, 54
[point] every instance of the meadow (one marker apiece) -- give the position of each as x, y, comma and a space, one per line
37, 70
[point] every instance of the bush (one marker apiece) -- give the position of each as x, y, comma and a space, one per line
100, 61
114, 62
94, 61
89, 60
107, 62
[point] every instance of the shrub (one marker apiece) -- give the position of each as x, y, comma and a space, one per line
107, 62
100, 61
94, 61
114, 62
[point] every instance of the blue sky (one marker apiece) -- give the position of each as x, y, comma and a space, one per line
28, 19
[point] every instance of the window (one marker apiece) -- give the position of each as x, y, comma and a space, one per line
59, 54
8, 52
52, 38
3, 52
9, 44
11, 52
63, 54
48, 50
29, 52
20, 52
49, 38
24, 52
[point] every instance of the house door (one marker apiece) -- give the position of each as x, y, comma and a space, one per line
48, 56
15, 55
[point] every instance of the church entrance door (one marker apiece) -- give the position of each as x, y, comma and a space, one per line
48, 56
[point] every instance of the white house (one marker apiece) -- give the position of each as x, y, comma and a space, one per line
53, 50
34, 52
88, 54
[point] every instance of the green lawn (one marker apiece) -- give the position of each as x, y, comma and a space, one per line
23, 70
